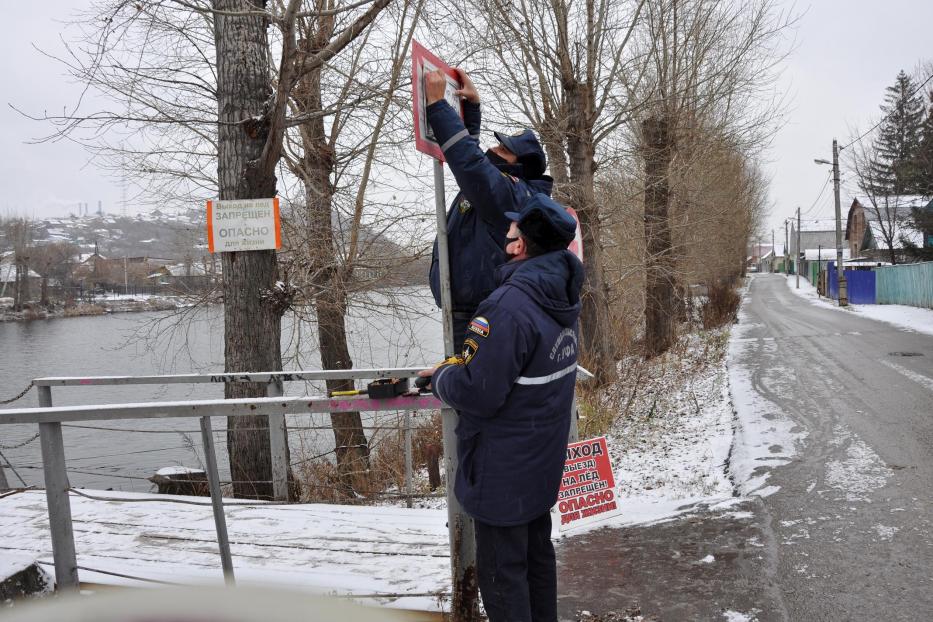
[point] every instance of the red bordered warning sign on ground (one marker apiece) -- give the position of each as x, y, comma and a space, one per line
587, 489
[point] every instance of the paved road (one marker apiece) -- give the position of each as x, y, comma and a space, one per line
849, 535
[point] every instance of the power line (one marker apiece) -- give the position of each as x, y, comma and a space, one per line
818, 197
885, 117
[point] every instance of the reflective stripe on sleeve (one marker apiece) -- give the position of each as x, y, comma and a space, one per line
436, 382
453, 140
546, 379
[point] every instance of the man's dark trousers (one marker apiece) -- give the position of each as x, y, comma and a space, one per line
517, 571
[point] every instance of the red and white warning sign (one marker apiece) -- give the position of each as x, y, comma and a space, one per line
576, 246
422, 62
587, 489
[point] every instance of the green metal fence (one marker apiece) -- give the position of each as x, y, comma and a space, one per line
906, 284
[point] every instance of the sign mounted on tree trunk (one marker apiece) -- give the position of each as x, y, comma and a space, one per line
587, 488
576, 246
422, 62
243, 225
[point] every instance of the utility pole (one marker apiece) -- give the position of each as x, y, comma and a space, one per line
773, 253
786, 249
840, 271
797, 250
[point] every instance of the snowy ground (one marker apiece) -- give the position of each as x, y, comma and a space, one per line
689, 432
911, 318
670, 442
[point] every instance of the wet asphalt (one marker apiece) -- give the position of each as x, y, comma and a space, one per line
849, 533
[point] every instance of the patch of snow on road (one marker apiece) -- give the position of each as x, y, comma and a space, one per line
918, 378
885, 532
859, 474
902, 316
709, 559
735, 616
763, 434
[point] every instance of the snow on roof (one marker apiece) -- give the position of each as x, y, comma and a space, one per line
818, 224
824, 254
901, 234
901, 206
8, 273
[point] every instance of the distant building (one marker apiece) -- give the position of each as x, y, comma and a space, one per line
873, 221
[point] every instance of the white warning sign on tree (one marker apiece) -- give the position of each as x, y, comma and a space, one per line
243, 225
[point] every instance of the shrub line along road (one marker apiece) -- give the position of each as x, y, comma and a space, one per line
848, 536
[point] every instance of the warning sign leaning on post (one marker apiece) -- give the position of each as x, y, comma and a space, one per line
587, 489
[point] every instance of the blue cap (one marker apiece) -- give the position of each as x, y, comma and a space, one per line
526, 147
562, 227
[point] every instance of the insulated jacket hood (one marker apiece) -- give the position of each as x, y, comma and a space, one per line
553, 280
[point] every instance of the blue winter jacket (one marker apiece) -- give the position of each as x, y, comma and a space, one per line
476, 226
514, 390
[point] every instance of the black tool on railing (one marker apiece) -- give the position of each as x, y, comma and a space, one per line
378, 389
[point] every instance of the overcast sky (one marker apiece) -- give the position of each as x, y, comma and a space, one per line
847, 52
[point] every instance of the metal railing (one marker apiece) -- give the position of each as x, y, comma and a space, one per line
50, 420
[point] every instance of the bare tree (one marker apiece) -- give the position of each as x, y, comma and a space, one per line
52, 261
331, 101
560, 67
708, 63
19, 234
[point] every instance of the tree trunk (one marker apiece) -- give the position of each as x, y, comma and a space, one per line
253, 306
595, 322
659, 260
553, 137
327, 276
44, 291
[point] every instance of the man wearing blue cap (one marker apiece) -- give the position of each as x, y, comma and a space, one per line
491, 184
513, 387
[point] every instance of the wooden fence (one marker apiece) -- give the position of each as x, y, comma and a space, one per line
906, 284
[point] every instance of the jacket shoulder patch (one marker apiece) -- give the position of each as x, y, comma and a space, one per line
464, 206
480, 326
470, 348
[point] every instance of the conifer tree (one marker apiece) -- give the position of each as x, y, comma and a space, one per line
924, 156
894, 170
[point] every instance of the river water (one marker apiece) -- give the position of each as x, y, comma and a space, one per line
383, 331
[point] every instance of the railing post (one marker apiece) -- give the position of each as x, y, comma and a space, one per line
278, 446
4, 485
56, 495
408, 460
217, 502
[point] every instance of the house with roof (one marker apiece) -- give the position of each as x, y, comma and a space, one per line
186, 276
8, 276
879, 226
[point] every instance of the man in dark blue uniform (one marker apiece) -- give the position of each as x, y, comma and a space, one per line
490, 185
513, 387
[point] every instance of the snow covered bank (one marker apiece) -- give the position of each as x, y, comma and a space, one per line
909, 318
671, 438
100, 306
764, 436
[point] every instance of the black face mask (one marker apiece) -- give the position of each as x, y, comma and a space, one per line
495, 158
508, 241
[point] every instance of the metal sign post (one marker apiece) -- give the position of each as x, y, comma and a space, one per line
464, 589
